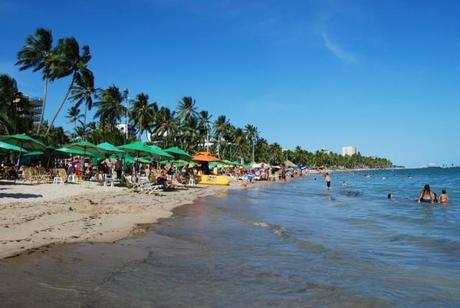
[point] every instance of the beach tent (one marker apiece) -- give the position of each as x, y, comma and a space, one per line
24, 141
202, 157
178, 153
6, 147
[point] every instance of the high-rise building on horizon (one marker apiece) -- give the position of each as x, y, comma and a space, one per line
349, 150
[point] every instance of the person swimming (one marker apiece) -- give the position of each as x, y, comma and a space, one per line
390, 196
426, 196
443, 198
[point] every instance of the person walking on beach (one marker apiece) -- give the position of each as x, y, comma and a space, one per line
328, 180
443, 198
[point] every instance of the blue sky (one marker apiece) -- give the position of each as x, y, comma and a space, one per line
381, 75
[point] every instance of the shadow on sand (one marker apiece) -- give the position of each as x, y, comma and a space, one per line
19, 195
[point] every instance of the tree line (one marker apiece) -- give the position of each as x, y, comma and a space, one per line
186, 126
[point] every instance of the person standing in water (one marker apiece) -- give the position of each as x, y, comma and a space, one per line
327, 179
426, 196
443, 199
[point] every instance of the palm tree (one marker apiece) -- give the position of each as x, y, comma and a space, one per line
66, 60
14, 107
204, 126
221, 125
252, 134
143, 113
166, 126
36, 55
110, 106
83, 92
186, 108
74, 116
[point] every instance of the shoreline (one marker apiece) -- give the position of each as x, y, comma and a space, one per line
76, 214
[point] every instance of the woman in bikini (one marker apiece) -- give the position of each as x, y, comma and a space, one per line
426, 196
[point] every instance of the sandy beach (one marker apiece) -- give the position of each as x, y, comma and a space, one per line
32, 216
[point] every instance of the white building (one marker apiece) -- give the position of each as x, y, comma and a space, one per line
349, 150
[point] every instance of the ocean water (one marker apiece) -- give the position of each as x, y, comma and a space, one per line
288, 245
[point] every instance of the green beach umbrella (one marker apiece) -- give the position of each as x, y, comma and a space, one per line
34, 153
110, 148
6, 147
24, 141
74, 151
138, 149
178, 153
159, 152
87, 147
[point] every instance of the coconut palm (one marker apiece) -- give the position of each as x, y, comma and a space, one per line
252, 134
221, 125
186, 108
110, 107
36, 55
83, 92
66, 60
166, 126
143, 113
14, 107
204, 126
74, 115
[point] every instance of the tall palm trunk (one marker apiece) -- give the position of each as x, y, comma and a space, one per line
45, 94
84, 123
62, 104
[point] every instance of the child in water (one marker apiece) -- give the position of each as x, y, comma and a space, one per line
443, 199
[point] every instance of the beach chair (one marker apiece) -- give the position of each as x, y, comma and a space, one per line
108, 180
60, 177
132, 186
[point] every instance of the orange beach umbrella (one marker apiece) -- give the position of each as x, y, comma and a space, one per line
201, 157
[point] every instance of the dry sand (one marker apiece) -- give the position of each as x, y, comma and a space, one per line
32, 216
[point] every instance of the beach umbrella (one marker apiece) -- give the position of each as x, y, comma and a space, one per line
24, 141
6, 147
136, 149
159, 152
181, 163
178, 153
75, 151
87, 147
110, 148
202, 157
289, 163
34, 153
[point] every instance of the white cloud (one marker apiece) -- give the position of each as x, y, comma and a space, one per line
338, 51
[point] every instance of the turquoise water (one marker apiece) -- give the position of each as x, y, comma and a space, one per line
289, 245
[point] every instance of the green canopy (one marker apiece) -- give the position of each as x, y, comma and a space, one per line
34, 153
138, 149
159, 152
24, 141
75, 151
178, 153
10, 147
110, 148
86, 147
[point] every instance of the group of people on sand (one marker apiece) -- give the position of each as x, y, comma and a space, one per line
427, 196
